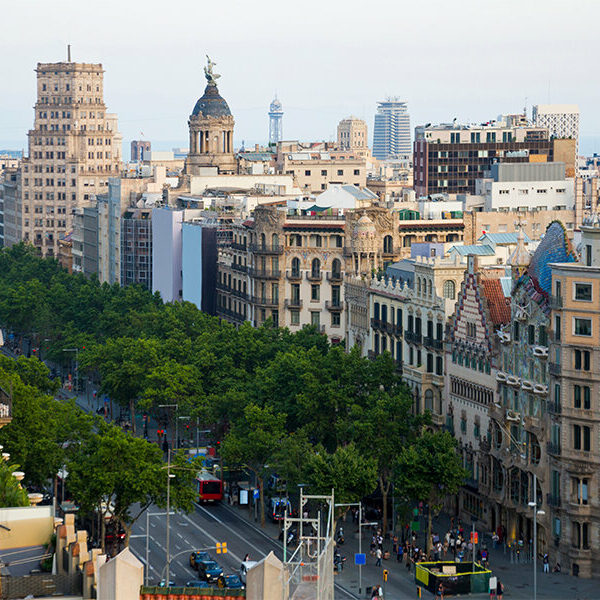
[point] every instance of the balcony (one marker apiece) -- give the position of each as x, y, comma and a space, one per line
484, 445
265, 249
553, 448
556, 302
412, 338
314, 276
5, 408
265, 302
334, 305
240, 247
239, 268
554, 408
377, 324
552, 500
294, 275
264, 274
398, 329
293, 303
431, 342
230, 315
335, 277
554, 369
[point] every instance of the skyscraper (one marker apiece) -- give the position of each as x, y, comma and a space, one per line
391, 132
275, 121
562, 120
74, 147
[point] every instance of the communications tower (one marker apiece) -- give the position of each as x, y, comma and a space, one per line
275, 121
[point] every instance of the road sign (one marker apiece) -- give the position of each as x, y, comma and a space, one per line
221, 548
256, 494
360, 559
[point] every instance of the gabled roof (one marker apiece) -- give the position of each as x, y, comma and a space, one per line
498, 303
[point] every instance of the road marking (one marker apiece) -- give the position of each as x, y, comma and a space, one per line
179, 535
214, 539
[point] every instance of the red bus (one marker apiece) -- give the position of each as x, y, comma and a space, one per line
210, 488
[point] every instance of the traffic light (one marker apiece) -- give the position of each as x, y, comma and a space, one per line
474, 537
221, 547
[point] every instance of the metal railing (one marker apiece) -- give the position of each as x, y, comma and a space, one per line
266, 249
239, 268
556, 302
412, 337
264, 301
554, 407
554, 368
314, 276
431, 342
264, 273
236, 246
294, 275
335, 277
553, 448
333, 305
293, 303
552, 500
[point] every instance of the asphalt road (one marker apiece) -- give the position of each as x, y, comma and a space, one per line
202, 529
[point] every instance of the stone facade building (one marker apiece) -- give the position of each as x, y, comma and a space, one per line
352, 136
74, 147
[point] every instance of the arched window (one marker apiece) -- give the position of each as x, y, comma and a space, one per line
449, 289
263, 240
336, 267
388, 244
429, 288
296, 267
419, 286
275, 240
316, 268
429, 400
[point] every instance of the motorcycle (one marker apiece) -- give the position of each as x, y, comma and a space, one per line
340, 537
338, 562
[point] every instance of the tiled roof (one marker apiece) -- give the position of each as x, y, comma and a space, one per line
503, 238
479, 250
498, 303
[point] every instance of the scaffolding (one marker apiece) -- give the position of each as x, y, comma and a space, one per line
308, 572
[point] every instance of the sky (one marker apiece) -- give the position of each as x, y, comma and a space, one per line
325, 60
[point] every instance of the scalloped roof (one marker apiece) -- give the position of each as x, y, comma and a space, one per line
555, 247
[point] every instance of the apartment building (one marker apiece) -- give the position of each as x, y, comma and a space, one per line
74, 147
562, 120
136, 247
572, 497
352, 136
449, 158
521, 439
472, 351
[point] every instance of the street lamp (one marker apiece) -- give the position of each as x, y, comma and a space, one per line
169, 477
536, 512
176, 407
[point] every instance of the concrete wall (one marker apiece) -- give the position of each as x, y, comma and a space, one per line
29, 526
191, 260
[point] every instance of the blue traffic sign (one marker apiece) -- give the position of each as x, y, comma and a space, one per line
256, 494
360, 559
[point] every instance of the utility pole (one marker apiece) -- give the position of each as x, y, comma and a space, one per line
168, 566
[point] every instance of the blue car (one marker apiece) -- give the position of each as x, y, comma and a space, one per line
233, 582
209, 571
197, 583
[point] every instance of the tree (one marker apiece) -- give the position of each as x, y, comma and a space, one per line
252, 442
429, 470
11, 492
346, 470
119, 476
382, 429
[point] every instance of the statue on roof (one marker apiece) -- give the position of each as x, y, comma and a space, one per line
211, 77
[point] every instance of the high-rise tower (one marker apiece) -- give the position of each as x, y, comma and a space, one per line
391, 132
275, 121
74, 147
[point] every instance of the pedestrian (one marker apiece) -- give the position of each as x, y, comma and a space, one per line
400, 553
546, 561
499, 590
378, 554
395, 543
246, 558
374, 592
408, 563
440, 591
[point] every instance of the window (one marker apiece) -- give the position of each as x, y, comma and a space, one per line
340, 172
295, 317
357, 172
388, 244
315, 318
471, 330
531, 334
581, 396
449, 289
324, 172
307, 173
583, 292
429, 400
582, 360
439, 365
335, 319
580, 535
315, 292
579, 490
315, 268
581, 438
582, 326
295, 267
336, 268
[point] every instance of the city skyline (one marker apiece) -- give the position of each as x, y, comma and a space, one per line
535, 65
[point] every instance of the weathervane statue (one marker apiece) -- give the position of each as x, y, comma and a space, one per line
211, 77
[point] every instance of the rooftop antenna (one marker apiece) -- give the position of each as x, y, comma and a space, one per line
68, 52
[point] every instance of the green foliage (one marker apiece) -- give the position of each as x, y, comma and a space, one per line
11, 493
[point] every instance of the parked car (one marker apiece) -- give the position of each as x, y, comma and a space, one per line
209, 571
199, 556
197, 583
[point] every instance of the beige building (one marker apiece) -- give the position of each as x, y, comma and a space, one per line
352, 135
574, 408
74, 147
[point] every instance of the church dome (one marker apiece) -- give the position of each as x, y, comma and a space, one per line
211, 104
364, 235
